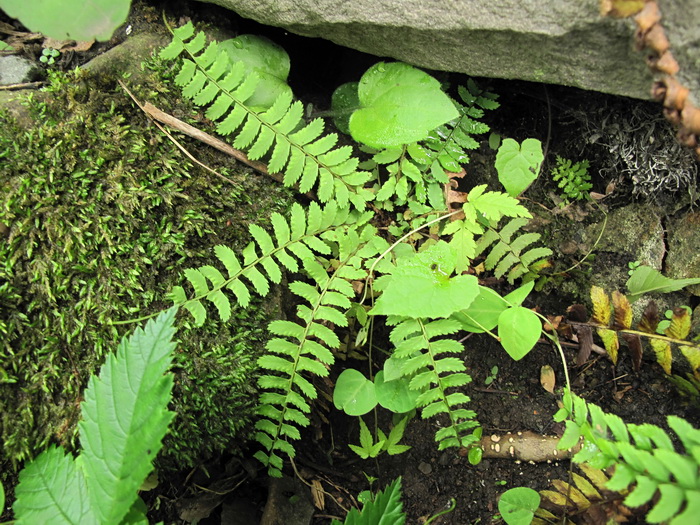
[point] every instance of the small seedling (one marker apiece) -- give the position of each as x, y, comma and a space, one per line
49, 56
492, 376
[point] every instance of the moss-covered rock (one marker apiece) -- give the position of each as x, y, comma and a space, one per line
101, 215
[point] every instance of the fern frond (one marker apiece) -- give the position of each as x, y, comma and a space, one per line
433, 373
643, 455
306, 347
303, 152
296, 240
508, 253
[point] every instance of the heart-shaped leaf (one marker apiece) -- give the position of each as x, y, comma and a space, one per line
354, 393
399, 105
518, 165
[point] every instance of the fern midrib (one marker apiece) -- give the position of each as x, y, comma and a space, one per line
258, 117
443, 395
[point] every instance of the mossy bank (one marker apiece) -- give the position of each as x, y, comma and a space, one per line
100, 215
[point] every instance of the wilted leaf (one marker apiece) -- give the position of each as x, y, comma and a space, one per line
547, 378
680, 324
602, 311
620, 8
663, 354
635, 345
650, 319
585, 343
611, 342
623, 311
692, 354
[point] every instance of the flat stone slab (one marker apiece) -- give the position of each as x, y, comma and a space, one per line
552, 41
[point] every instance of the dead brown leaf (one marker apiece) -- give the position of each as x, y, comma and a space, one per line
547, 378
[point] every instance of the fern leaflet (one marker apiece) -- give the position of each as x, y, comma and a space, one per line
305, 155
509, 252
644, 458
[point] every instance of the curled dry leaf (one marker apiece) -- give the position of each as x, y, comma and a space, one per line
547, 378
453, 198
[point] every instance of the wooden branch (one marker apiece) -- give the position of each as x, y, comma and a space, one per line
525, 446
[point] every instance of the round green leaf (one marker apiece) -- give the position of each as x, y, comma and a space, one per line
399, 105
343, 102
518, 505
70, 19
395, 395
519, 329
354, 393
267, 59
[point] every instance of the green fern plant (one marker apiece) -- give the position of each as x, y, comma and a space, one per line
332, 247
124, 419
573, 179
303, 152
645, 460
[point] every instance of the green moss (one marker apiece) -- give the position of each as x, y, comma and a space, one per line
103, 213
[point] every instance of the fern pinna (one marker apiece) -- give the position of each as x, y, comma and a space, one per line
305, 346
305, 155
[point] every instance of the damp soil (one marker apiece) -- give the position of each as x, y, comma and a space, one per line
514, 401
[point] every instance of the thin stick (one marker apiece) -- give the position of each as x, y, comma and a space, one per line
23, 85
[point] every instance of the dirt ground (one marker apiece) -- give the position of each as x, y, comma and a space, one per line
514, 401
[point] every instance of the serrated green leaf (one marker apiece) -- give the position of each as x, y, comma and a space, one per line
52, 489
125, 417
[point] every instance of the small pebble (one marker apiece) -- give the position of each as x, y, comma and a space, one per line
425, 468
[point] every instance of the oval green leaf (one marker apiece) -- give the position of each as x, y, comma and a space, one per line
518, 505
519, 330
354, 393
395, 395
70, 19
267, 59
343, 102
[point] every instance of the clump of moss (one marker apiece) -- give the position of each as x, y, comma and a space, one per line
102, 215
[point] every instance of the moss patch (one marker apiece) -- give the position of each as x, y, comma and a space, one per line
102, 213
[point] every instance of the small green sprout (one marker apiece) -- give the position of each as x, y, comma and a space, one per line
49, 56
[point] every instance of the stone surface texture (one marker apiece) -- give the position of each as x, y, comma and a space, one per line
552, 41
17, 70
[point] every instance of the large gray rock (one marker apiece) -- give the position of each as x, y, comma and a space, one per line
554, 41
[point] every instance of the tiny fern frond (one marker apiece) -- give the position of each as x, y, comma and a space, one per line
303, 152
303, 348
294, 241
433, 373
